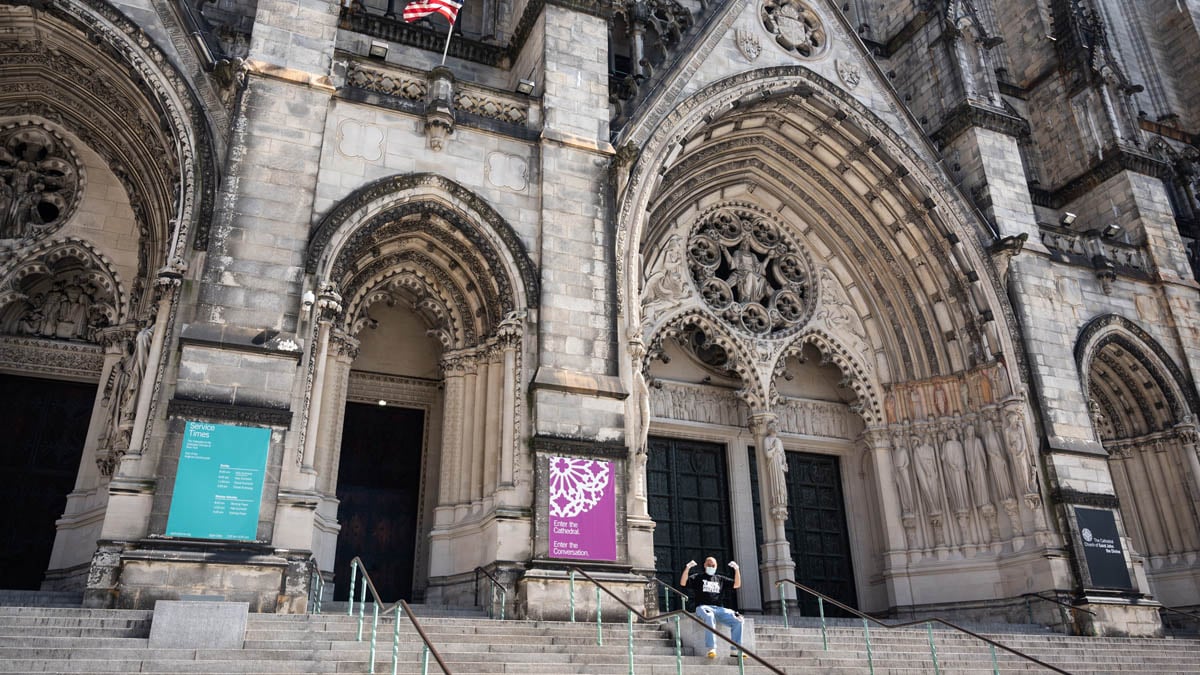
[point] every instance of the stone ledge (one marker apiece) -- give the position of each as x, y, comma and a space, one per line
240, 338
575, 382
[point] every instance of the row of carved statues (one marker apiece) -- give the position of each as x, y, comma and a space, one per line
960, 471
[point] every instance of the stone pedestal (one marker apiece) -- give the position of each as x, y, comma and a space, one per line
1119, 617
198, 625
544, 594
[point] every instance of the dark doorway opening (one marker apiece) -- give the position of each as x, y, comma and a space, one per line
379, 484
688, 489
45, 425
816, 529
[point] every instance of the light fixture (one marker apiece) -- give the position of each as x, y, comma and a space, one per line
525, 86
1111, 230
382, 401
378, 50
1067, 219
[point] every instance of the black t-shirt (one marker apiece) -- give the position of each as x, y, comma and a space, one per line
708, 590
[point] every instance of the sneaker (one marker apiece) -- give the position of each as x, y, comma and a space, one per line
712, 653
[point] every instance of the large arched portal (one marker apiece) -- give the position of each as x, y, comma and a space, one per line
857, 339
1144, 412
419, 329
106, 181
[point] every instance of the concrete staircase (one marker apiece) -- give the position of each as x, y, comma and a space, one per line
72, 640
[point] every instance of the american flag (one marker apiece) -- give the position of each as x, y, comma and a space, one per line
422, 8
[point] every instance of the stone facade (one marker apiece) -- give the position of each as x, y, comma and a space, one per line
951, 244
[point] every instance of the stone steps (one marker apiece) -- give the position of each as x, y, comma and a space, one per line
47, 639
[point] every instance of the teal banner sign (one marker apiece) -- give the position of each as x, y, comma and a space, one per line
218, 487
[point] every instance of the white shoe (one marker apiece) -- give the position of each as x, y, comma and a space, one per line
712, 653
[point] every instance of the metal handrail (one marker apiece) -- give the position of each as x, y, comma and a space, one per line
316, 589
357, 564
1062, 610
666, 598
675, 613
1181, 612
495, 585
935, 619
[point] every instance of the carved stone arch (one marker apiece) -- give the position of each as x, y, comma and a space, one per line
73, 269
84, 65
384, 201
428, 290
750, 368
1121, 362
857, 374
897, 194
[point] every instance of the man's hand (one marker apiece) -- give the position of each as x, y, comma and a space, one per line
737, 575
691, 564
733, 565
683, 578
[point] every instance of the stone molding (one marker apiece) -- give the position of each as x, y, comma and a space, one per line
579, 447
1063, 495
969, 115
229, 413
1115, 161
41, 357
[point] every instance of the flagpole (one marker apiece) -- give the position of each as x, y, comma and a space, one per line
445, 51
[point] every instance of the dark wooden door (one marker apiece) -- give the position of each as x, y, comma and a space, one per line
688, 489
379, 482
816, 528
45, 424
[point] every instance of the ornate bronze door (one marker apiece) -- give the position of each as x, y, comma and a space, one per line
688, 488
45, 424
816, 528
379, 483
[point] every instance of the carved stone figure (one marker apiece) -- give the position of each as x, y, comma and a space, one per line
976, 466
996, 461
665, 286
901, 463
954, 466
640, 394
776, 470
749, 275
38, 180
925, 459
1018, 448
122, 398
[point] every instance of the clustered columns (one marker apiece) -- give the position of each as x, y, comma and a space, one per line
776, 557
326, 309
478, 428
1146, 467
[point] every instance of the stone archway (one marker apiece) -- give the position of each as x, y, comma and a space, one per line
893, 288
423, 252
1143, 411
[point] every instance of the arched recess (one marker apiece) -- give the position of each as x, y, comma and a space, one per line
423, 251
897, 291
1144, 412
108, 175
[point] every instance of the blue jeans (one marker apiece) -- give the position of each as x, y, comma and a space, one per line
711, 615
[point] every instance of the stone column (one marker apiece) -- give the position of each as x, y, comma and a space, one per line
454, 370
328, 306
510, 339
479, 430
895, 556
776, 561
466, 448
491, 441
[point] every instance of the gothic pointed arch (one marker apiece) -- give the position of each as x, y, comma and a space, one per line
63, 288
1134, 386
86, 68
877, 221
431, 242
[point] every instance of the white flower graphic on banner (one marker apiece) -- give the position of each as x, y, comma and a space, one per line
576, 485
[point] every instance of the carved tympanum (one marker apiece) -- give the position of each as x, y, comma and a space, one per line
795, 27
39, 181
749, 273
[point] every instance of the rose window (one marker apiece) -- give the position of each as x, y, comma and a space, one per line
749, 273
39, 181
794, 26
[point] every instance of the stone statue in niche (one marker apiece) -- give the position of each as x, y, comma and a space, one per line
749, 274
901, 462
925, 458
776, 470
954, 464
126, 383
996, 461
1018, 447
976, 466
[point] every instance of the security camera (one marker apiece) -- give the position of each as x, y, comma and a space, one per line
307, 300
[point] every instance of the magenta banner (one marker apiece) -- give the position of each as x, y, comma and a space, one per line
583, 509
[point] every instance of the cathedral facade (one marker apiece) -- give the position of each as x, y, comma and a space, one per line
894, 301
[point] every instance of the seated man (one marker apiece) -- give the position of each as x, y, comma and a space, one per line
708, 589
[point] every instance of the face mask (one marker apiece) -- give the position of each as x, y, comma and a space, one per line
710, 570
